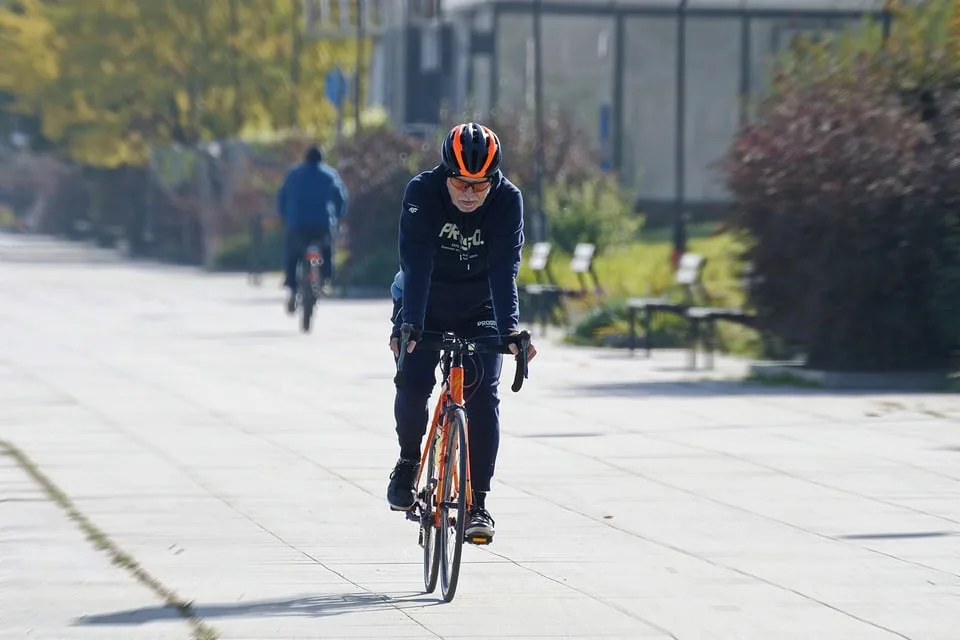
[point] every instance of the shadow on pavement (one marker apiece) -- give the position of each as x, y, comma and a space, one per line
308, 606
702, 388
264, 334
898, 536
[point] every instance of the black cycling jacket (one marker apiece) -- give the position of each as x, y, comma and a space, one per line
453, 263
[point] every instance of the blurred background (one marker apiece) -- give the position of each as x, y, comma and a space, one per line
753, 133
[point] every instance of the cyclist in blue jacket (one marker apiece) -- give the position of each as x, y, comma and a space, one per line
461, 232
311, 198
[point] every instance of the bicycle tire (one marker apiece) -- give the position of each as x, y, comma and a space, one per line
429, 533
306, 301
307, 315
456, 454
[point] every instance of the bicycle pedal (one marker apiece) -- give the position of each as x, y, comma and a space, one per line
479, 540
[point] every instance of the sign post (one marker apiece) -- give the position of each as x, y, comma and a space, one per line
606, 120
335, 88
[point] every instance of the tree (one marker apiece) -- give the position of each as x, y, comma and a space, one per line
109, 78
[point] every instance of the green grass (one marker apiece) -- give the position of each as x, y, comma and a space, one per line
664, 234
783, 379
642, 269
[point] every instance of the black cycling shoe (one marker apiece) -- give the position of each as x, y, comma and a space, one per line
479, 528
401, 493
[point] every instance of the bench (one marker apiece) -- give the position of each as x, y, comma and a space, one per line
582, 265
688, 279
703, 329
703, 322
548, 296
544, 293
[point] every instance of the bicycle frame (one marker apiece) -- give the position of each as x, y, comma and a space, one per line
451, 396
430, 506
313, 261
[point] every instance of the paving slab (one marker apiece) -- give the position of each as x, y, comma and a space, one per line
51, 578
244, 464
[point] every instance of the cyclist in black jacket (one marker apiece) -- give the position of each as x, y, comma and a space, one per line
461, 232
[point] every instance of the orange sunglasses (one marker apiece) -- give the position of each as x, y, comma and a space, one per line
463, 185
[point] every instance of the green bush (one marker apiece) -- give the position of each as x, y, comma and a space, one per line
376, 167
8, 220
372, 269
946, 289
596, 210
945, 293
234, 253
608, 325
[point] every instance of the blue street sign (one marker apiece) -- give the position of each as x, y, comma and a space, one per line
606, 124
335, 86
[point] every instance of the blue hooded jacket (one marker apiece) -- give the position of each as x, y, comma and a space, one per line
311, 195
453, 265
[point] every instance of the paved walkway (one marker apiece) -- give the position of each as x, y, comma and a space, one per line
243, 465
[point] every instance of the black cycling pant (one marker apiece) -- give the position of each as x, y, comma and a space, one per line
481, 380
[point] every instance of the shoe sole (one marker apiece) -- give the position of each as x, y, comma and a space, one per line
396, 508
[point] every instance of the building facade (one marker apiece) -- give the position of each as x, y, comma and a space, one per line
638, 75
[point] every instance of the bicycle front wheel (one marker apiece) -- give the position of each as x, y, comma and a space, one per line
453, 509
429, 534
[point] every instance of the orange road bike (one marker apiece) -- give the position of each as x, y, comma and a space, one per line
444, 493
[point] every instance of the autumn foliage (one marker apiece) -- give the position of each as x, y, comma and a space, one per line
847, 187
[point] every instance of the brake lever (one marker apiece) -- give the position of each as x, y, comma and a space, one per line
522, 373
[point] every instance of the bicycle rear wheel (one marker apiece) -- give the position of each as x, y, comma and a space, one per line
453, 509
306, 313
429, 533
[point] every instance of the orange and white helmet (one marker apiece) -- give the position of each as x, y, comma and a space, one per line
471, 150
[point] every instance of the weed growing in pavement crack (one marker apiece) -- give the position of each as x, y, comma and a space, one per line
102, 542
